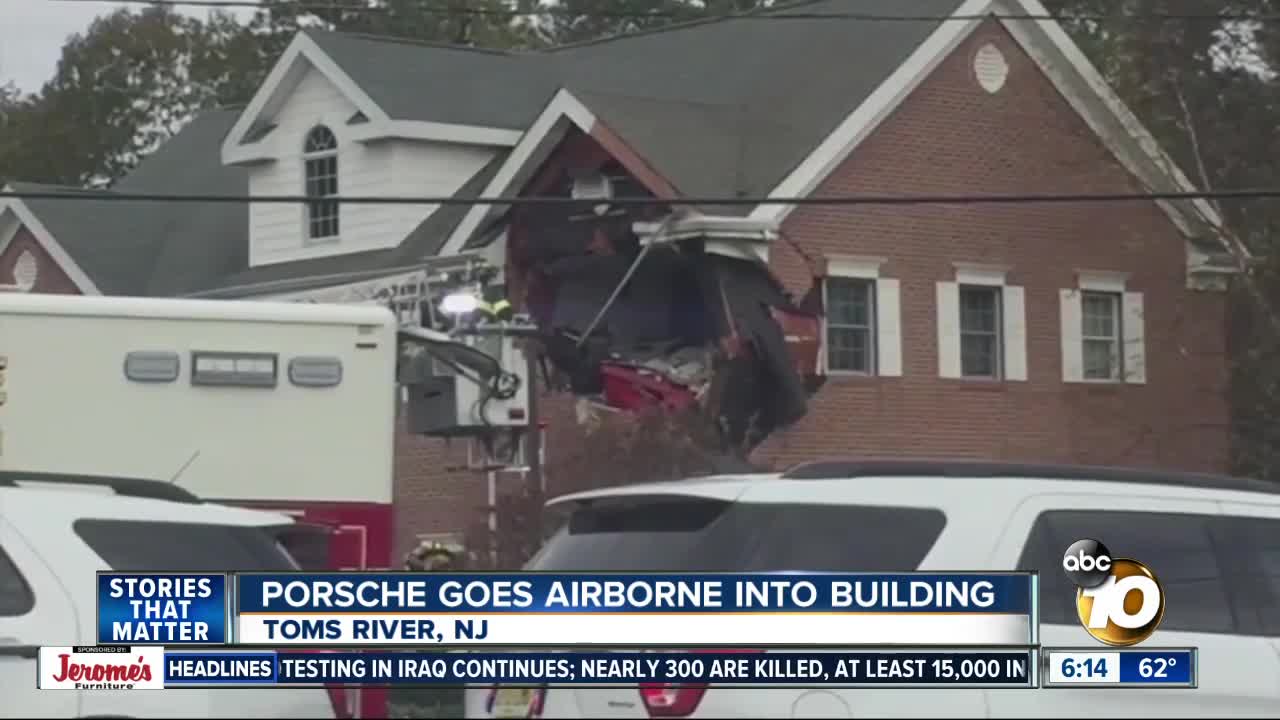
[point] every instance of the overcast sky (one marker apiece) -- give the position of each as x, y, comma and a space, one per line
33, 31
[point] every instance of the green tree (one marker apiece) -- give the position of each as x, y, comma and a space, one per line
122, 87
1206, 89
571, 21
481, 23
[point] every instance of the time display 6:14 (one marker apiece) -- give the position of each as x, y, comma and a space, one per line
1087, 668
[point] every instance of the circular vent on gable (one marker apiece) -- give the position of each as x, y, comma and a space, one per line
990, 67
25, 270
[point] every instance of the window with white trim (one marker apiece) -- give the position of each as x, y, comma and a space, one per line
1100, 335
862, 329
851, 325
320, 166
1102, 330
981, 326
981, 340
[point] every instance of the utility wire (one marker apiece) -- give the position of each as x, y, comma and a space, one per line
993, 199
771, 14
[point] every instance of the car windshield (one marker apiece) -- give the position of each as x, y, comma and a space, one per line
687, 534
145, 546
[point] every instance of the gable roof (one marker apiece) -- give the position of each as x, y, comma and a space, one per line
26, 212
412, 80
133, 247
730, 106
718, 107
777, 86
736, 106
1067, 68
107, 239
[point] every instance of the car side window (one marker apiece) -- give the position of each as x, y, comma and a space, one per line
1253, 543
1179, 548
16, 597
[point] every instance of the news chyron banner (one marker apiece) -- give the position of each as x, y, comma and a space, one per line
803, 629
543, 610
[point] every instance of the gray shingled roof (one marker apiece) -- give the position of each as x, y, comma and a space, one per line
719, 107
759, 94
442, 83
113, 242
130, 247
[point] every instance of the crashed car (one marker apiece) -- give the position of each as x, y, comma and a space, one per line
674, 314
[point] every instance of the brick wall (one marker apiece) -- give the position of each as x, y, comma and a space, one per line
951, 136
49, 278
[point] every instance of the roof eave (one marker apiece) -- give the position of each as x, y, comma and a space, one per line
302, 52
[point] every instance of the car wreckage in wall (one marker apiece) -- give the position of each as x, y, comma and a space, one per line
634, 312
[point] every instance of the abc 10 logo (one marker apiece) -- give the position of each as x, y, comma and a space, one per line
1120, 601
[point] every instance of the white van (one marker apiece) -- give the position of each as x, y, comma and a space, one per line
1214, 543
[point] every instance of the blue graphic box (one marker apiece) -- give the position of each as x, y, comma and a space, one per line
163, 609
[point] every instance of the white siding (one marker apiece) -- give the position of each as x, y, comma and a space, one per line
429, 168
391, 168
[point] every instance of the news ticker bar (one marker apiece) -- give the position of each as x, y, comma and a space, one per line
369, 610
143, 668
918, 668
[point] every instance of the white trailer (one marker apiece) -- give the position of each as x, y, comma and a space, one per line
289, 406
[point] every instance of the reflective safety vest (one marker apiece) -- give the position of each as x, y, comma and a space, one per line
499, 310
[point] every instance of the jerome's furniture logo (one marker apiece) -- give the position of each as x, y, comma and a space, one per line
101, 667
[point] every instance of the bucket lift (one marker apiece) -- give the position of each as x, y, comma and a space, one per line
465, 375
464, 370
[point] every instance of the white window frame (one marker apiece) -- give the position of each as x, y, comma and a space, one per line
308, 158
1115, 340
886, 301
1012, 325
1132, 361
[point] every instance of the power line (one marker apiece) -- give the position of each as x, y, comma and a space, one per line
312, 6
993, 199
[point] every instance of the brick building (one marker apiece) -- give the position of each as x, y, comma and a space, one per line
1086, 332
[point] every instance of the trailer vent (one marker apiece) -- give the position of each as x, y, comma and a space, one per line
152, 367
315, 371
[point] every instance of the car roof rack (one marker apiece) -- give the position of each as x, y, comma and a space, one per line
128, 487
872, 467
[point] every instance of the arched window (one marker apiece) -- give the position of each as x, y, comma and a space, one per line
320, 161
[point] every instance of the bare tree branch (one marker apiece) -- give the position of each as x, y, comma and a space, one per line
1235, 245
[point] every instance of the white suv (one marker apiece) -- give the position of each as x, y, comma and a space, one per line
56, 532
1214, 542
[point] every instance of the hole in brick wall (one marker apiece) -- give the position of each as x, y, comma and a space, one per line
990, 68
